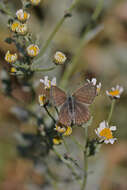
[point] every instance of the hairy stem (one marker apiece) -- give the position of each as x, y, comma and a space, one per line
67, 164
85, 161
111, 110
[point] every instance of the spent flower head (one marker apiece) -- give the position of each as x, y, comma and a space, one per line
22, 29
48, 83
57, 140
13, 70
22, 15
35, 2
65, 130
33, 50
60, 129
10, 58
15, 25
42, 100
94, 82
115, 92
104, 132
59, 58
68, 131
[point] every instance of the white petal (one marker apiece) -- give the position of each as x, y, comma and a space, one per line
121, 89
112, 140
107, 141
53, 82
46, 78
94, 80
99, 85
113, 89
102, 125
118, 96
107, 93
41, 80
117, 87
88, 80
96, 131
113, 128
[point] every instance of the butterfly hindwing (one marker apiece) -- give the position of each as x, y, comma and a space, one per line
64, 115
85, 94
58, 96
81, 113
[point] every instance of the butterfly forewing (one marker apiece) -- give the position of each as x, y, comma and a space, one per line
58, 96
81, 114
85, 94
64, 115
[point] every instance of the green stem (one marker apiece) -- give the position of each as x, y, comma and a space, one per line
85, 161
66, 145
98, 9
5, 10
24, 66
77, 143
111, 110
42, 70
57, 27
67, 164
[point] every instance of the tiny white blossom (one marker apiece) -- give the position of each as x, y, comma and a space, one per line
22, 15
47, 83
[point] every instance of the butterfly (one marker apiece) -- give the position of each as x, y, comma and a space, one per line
74, 108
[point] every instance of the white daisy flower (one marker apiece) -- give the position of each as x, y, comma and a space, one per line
115, 92
47, 83
104, 132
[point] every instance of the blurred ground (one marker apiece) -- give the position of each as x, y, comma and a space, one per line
104, 57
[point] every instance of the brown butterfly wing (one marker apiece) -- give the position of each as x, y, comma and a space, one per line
86, 94
58, 96
64, 115
81, 114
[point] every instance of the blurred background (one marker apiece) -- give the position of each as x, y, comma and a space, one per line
103, 57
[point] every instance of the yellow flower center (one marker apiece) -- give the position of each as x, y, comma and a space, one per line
106, 133
114, 93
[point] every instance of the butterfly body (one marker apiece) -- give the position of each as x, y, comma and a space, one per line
74, 108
